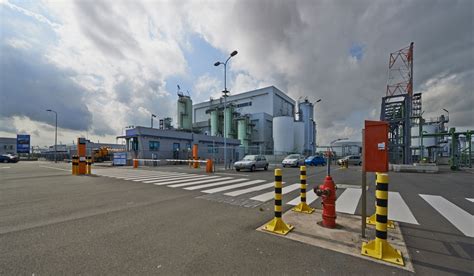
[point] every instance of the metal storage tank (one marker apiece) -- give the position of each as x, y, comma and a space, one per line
427, 141
228, 114
306, 114
283, 134
185, 112
214, 122
242, 132
299, 136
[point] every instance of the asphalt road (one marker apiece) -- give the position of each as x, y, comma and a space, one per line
55, 223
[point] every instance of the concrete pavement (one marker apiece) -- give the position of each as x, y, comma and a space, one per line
55, 223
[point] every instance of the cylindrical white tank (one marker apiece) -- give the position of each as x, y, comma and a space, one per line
214, 123
283, 134
299, 136
427, 141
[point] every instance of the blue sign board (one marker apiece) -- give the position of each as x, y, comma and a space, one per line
23, 143
120, 159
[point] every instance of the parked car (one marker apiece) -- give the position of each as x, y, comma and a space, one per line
315, 161
252, 162
8, 158
351, 159
293, 160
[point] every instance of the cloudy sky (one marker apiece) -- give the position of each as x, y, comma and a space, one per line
103, 65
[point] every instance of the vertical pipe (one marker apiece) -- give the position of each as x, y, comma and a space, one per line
56, 139
225, 106
364, 185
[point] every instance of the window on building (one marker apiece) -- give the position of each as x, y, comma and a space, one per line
244, 104
11, 147
210, 147
154, 145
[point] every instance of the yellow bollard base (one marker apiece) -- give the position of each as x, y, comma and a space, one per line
278, 226
371, 221
382, 250
303, 208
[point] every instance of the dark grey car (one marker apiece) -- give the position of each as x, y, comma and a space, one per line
252, 162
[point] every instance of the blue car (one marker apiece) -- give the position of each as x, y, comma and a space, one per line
315, 161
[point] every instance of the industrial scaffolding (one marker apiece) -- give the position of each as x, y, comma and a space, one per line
398, 108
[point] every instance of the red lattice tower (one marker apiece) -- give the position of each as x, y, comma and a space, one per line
400, 72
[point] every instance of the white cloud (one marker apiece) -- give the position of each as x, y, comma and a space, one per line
123, 52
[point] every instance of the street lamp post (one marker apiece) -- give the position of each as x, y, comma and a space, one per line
225, 92
152, 116
55, 135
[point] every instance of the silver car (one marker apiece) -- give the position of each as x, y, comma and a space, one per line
351, 160
293, 160
252, 162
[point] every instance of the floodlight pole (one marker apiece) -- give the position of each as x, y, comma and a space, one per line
55, 136
225, 92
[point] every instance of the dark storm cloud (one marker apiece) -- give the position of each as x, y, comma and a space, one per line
317, 37
29, 85
108, 30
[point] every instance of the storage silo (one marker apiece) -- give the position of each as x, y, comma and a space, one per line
214, 122
185, 112
228, 118
306, 114
283, 134
243, 131
299, 137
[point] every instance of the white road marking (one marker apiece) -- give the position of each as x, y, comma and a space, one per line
125, 174
161, 177
215, 184
349, 199
251, 189
267, 196
54, 168
461, 219
159, 183
181, 178
398, 210
346, 186
136, 176
5, 167
199, 182
230, 187
151, 176
310, 197
235, 174
470, 199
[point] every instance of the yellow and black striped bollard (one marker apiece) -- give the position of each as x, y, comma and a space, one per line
89, 165
380, 248
277, 225
372, 219
75, 163
303, 207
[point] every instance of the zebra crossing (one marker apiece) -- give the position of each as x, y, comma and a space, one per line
261, 191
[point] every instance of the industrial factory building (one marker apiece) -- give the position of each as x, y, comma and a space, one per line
265, 120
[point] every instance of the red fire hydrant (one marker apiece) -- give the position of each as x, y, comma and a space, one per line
327, 192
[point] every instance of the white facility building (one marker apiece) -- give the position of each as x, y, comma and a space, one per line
263, 120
